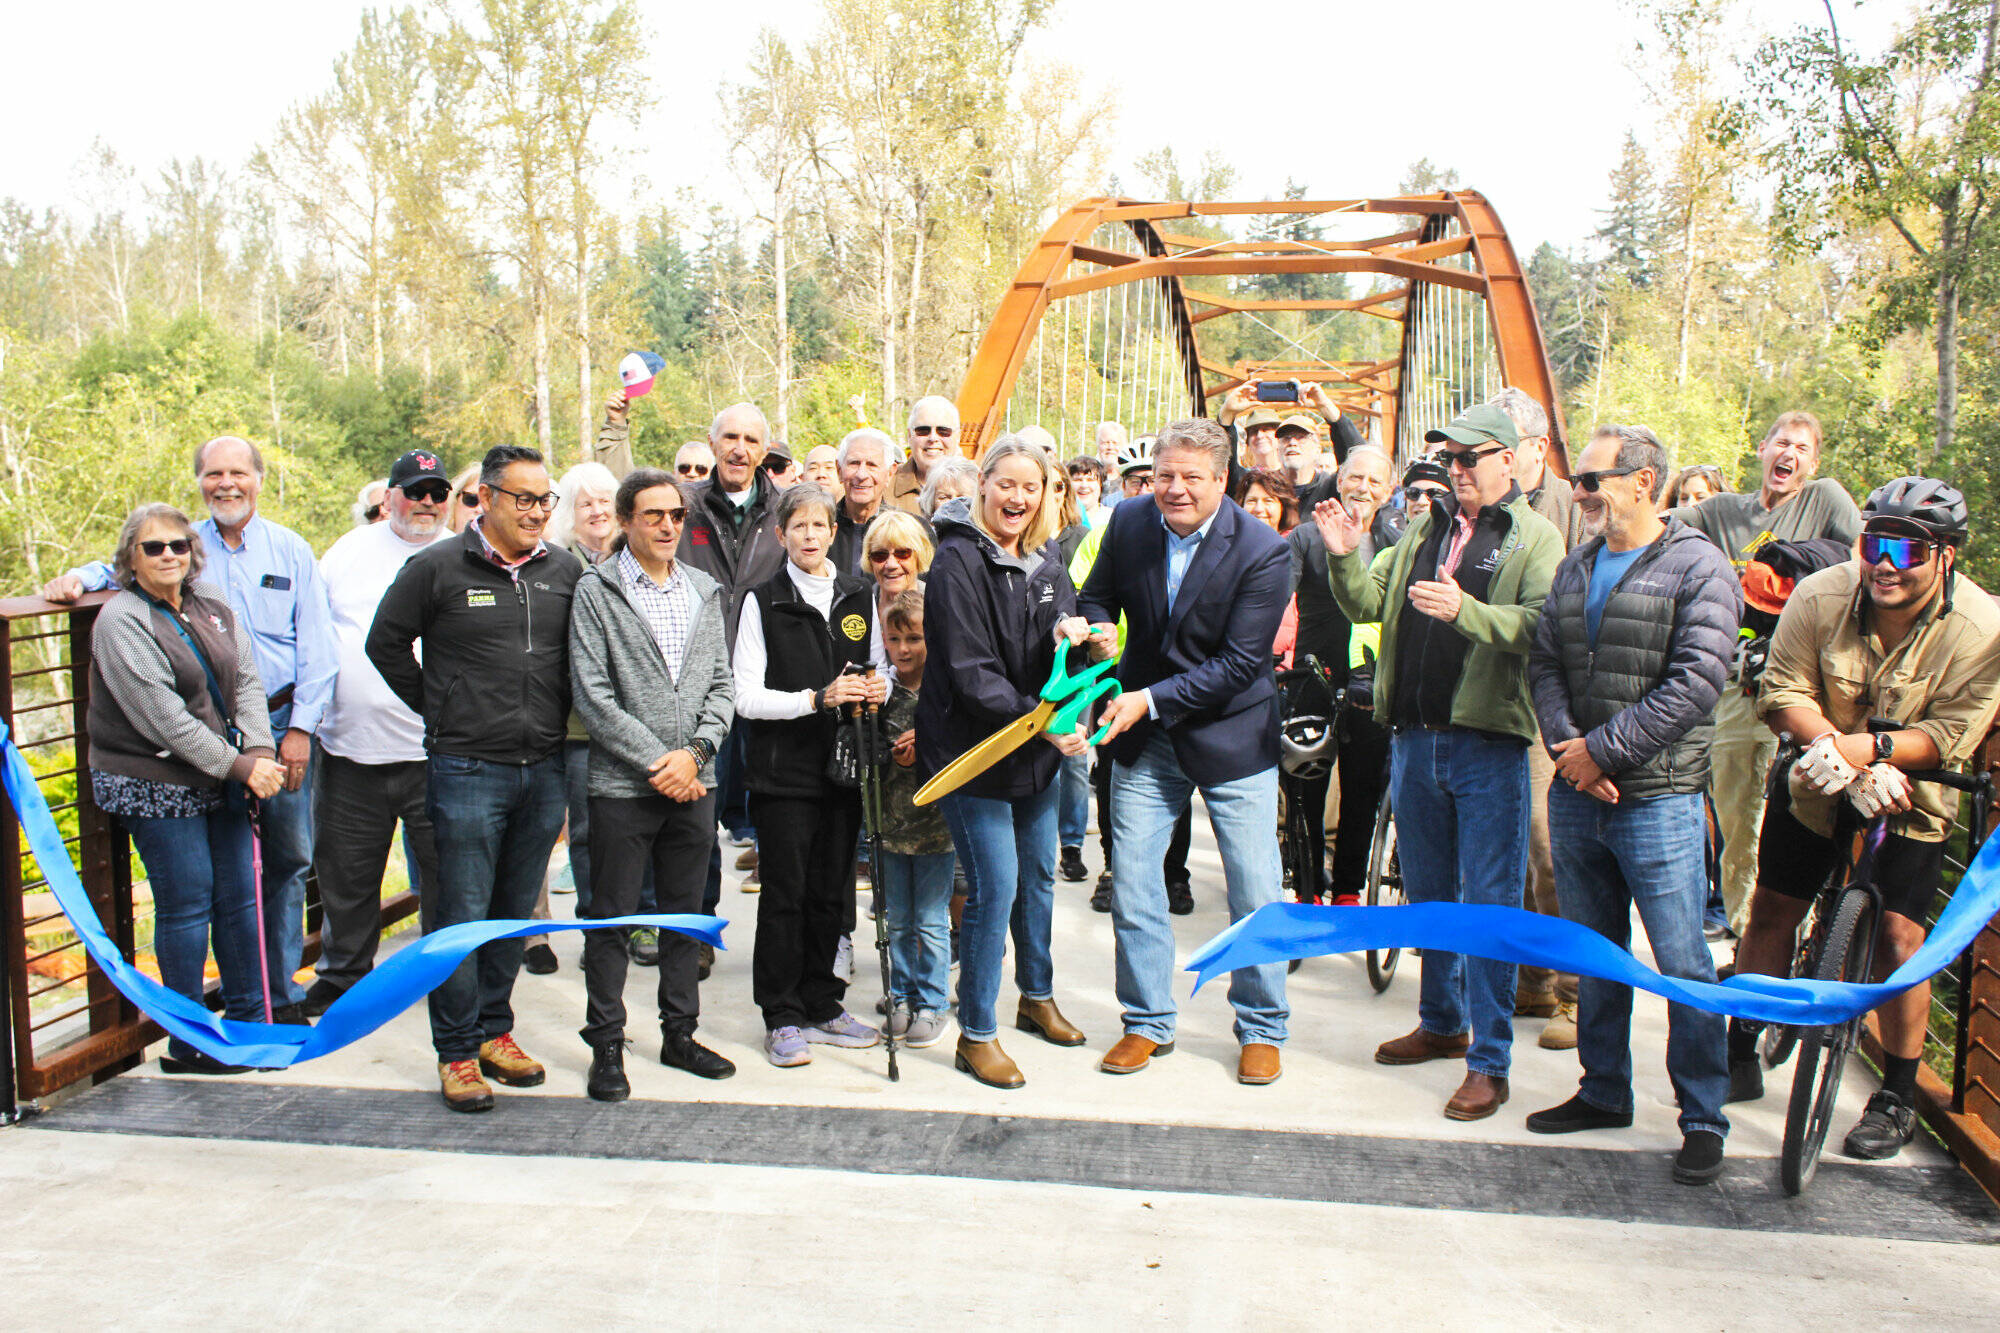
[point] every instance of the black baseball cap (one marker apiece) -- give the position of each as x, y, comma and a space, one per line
415, 466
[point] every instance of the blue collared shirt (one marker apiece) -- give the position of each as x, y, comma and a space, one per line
1180, 552
273, 584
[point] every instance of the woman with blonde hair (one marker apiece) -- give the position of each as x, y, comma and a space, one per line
997, 602
463, 506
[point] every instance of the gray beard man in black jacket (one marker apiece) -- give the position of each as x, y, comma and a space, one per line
1630, 657
492, 610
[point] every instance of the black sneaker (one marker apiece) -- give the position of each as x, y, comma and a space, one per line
607, 1072
291, 1015
1071, 865
1746, 1080
1180, 897
679, 1050
1100, 898
1700, 1158
320, 997
199, 1062
1887, 1124
643, 944
539, 959
1576, 1114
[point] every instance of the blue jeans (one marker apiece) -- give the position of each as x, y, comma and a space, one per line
495, 826
285, 838
1462, 809
199, 870
1073, 817
1146, 799
1008, 849
1648, 853
916, 891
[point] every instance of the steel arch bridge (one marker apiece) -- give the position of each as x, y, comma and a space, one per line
1123, 312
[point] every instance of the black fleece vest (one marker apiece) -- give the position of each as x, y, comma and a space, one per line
802, 651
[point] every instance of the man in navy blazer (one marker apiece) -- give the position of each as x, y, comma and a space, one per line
1202, 587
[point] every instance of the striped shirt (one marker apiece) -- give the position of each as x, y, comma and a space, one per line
667, 608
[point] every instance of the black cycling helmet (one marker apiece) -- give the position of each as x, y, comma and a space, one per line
1427, 467
1934, 508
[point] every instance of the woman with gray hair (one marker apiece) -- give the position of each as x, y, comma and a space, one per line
949, 480
179, 741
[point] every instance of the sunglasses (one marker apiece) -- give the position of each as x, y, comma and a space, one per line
1467, 459
1900, 552
655, 517
942, 432
468, 499
179, 546
1590, 481
372, 512
1425, 492
695, 470
882, 553
432, 492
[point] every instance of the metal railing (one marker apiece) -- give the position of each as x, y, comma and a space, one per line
66, 1021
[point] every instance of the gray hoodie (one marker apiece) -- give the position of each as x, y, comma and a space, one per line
633, 707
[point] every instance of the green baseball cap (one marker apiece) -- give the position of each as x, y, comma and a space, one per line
1477, 425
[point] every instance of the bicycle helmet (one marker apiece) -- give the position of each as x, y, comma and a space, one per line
1135, 457
1306, 741
1932, 507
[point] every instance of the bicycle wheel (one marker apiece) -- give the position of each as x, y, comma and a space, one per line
1823, 1051
1385, 889
1780, 1039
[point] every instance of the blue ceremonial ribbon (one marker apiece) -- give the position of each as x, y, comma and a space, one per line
402, 979
1278, 932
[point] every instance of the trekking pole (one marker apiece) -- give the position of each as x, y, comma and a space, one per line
257, 888
869, 750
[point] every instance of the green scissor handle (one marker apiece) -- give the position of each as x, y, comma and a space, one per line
1076, 693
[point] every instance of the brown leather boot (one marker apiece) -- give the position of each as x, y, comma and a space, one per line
985, 1061
1478, 1097
1042, 1018
1416, 1047
1132, 1053
1258, 1064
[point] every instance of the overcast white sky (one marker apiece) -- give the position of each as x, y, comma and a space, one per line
1527, 101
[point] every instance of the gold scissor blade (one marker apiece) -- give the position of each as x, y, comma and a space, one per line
986, 754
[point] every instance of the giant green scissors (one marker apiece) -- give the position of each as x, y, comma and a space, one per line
1065, 699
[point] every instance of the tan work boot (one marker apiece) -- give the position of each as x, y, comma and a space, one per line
1560, 1034
1042, 1018
462, 1087
985, 1061
504, 1062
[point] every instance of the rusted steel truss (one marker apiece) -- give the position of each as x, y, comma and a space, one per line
1457, 250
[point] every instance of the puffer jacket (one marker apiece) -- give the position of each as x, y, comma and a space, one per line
1644, 698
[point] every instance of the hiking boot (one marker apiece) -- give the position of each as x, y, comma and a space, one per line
1560, 1034
643, 944
786, 1047
462, 1087
1887, 1124
1535, 1004
607, 1081
539, 959
1180, 897
320, 997
1100, 897
679, 1050
843, 1029
1700, 1158
747, 859
504, 1062
926, 1026
1746, 1080
1070, 866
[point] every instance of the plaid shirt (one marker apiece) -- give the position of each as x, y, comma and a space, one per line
664, 605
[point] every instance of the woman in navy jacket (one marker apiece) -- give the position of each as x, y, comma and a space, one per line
997, 601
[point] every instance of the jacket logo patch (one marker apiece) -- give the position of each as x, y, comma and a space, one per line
698, 537
1492, 560
479, 597
1048, 594
542, 587
854, 627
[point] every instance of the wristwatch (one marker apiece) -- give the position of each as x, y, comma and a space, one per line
1885, 745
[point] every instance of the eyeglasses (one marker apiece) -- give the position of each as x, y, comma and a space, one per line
468, 499
524, 501
655, 517
1590, 481
695, 470
431, 492
179, 546
882, 553
1900, 552
942, 432
1467, 459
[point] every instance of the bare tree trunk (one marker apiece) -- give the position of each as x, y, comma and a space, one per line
781, 289
1687, 297
586, 400
1947, 357
887, 274
544, 428
910, 311
375, 292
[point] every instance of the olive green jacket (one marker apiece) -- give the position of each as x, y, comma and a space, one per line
1492, 693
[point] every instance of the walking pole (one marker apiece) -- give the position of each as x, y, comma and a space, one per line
257, 888
868, 749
